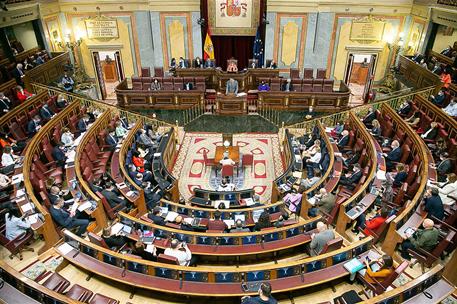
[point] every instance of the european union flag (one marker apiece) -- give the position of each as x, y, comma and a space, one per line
258, 49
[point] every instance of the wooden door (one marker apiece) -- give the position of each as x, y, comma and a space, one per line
347, 76
99, 74
370, 77
120, 70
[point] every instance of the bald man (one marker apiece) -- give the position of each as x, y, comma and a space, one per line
321, 238
425, 239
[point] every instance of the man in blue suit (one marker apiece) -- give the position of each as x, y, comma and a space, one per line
83, 123
33, 125
46, 113
444, 167
433, 204
344, 140
59, 155
394, 155
111, 139
350, 180
368, 119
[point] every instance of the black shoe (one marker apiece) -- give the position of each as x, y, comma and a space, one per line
355, 231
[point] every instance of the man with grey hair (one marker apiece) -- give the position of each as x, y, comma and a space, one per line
5, 104
319, 239
425, 239
239, 227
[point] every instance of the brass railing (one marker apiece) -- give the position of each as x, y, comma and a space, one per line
189, 115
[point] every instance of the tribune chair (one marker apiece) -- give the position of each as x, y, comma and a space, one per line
56, 283
16, 246
227, 170
79, 293
332, 245
101, 299
111, 212
248, 160
208, 162
380, 287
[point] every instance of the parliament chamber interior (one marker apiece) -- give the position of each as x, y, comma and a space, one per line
228, 151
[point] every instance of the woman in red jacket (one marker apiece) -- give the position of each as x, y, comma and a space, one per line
138, 161
371, 224
22, 94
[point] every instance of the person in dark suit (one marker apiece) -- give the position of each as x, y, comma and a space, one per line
433, 204
439, 98
58, 154
344, 140
217, 223
272, 64
113, 241
443, 167
112, 198
287, 86
197, 63
368, 119
156, 217
188, 86
83, 123
350, 179
432, 132
46, 113
353, 159
18, 74
376, 128
209, 63
393, 156
405, 108
5, 104
111, 139
66, 219
34, 125
401, 175
182, 63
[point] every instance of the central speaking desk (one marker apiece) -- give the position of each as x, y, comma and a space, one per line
234, 153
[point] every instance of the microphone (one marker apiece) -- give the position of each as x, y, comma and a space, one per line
262, 241
76, 254
302, 272
180, 279
217, 243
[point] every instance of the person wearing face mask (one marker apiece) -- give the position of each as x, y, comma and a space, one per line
46, 113
58, 153
5, 104
451, 108
351, 179
111, 139
393, 156
22, 95
444, 167
34, 125
67, 83
155, 85
67, 137
439, 98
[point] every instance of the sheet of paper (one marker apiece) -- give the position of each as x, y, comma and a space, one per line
65, 248
84, 206
230, 223
249, 201
171, 216
27, 207
149, 248
32, 219
188, 220
381, 175
130, 193
241, 217
116, 228
73, 208
17, 178
20, 192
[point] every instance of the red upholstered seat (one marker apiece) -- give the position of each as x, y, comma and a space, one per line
56, 283
79, 293
308, 73
227, 170
101, 299
16, 246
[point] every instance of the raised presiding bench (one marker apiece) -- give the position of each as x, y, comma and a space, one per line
223, 281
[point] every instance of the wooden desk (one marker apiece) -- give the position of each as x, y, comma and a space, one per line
234, 153
231, 104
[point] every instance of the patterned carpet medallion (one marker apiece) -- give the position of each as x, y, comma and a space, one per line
191, 172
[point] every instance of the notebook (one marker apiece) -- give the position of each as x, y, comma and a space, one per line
353, 265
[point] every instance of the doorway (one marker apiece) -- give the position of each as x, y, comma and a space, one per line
359, 76
109, 72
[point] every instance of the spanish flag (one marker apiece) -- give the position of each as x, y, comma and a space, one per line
208, 47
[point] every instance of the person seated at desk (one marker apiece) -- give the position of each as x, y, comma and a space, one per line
425, 239
156, 216
293, 199
336, 131
432, 132
182, 63
272, 65
313, 162
226, 161
231, 87
140, 250
444, 167
181, 252
144, 139
67, 138
351, 179
67, 83
263, 87
172, 64
15, 224
58, 153
433, 204
239, 227
439, 98
188, 86
448, 190
111, 139
414, 120
225, 186
27, 64
217, 223
8, 160
5, 183
401, 175
83, 123
18, 74
405, 108
373, 223
209, 63
310, 181
445, 76
344, 140
155, 85
34, 125
447, 51
263, 222
197, 63
368, 119
375, 271
17, 146
324, 203
114, 241
376, 130
287, 86
264, 296
232, 66
451, 108
111, 196
68, 219
320, 239
183, 225
393, 156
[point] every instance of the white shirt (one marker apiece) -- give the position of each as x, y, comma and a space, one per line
450, 188
227, 161
451, 110
426, 133
7, 159
228, 187
182, 256
15, 227
316, 157
67, 139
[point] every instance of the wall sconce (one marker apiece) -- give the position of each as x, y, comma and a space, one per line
67, 43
